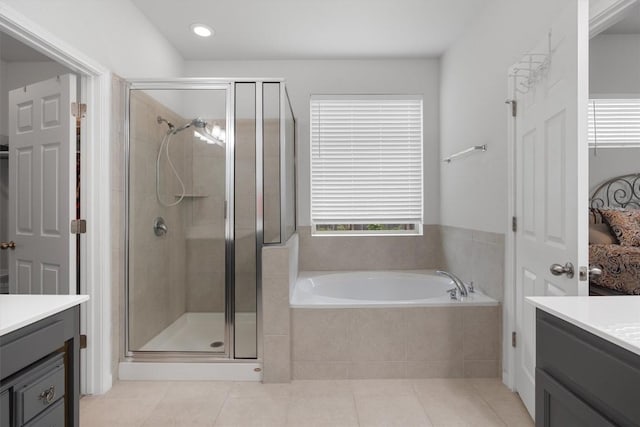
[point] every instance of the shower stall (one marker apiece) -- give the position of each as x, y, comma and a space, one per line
210, 181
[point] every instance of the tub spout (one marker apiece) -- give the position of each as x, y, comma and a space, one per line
456, 281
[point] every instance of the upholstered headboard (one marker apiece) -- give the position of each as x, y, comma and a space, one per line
619, 192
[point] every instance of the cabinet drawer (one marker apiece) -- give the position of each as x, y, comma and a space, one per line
52, 417
22, 352
5, 409
42, 390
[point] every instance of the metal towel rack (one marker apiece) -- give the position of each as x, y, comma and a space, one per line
465, 152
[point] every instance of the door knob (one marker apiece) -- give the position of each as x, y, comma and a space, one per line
8, 245
595, 271
559, 270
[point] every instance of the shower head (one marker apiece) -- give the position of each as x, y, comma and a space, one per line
197, 123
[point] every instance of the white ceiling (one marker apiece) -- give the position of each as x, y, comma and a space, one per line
308, 29
630, 24
11, 50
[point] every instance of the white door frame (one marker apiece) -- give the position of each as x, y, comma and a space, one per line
602, 14
95, 275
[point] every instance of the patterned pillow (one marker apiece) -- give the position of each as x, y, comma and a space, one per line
625, 225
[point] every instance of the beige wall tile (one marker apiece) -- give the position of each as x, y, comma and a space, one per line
434, 333
481, 368
275, 261
320, 335
205, 291
370, 252
377, 334
481, 326
452, 368
476, 256
277, 359
377, 370
320, 370
275, 306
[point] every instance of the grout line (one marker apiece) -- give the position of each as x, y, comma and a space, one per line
424, 409
476, 391
226, 397
355, 402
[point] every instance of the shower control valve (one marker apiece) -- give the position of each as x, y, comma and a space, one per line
159, 227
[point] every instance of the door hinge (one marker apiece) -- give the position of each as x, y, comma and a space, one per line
83, 341
78, 110
514, 106
513, 339
78, 226
514, 224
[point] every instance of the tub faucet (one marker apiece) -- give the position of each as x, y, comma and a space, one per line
456, 281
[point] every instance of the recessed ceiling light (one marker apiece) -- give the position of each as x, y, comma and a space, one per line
202, 30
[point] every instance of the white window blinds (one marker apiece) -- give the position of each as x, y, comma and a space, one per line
614, 123
366, 160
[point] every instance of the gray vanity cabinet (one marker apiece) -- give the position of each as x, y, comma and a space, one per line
583, 380
39, 373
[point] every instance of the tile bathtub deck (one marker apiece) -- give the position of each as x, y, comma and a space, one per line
406, 403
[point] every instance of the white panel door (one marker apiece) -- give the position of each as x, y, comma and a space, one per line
42, 186
551, 177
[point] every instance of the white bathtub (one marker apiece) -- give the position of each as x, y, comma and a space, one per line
352, 289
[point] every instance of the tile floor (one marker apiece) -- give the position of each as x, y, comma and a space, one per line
402, 403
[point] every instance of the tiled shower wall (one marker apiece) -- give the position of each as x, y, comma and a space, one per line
157, 295
205, 227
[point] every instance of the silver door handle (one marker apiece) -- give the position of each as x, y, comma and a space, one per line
8, 245
595, 271
559, 270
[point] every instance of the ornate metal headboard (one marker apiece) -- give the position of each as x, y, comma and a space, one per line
619, 192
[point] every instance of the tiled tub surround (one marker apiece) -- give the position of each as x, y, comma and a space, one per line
279, 273
360, 253
416, 342
475, 255
470, 254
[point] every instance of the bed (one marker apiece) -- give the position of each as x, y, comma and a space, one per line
614, 236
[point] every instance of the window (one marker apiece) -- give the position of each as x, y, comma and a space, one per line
614, 123
366, 164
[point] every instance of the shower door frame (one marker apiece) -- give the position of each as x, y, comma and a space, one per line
191, 356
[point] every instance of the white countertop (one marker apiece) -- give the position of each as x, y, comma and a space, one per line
615, 319
17, 311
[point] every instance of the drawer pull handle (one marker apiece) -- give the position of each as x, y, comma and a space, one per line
48, 395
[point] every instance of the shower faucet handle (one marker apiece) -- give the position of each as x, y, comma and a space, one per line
453, 293
470, 287
159, 227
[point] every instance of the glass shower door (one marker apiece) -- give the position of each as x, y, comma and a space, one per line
178, 232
